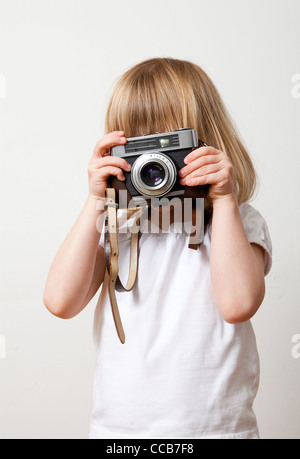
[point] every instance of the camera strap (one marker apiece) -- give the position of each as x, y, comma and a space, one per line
111, 249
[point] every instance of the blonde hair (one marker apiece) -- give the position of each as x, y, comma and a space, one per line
164, 94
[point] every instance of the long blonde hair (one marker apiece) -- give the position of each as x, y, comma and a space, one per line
164, 94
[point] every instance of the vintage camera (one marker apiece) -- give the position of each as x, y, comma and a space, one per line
156, 160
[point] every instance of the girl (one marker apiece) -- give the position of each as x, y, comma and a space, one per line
189, 368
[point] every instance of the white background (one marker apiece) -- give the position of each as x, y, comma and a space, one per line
59, 60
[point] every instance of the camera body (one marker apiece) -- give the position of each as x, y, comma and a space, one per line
156, 160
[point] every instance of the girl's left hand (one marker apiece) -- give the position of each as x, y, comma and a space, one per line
208, 166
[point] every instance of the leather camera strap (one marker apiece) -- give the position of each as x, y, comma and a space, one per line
111, 250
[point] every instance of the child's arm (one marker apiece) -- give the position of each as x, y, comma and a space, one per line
237, 267
79, 266
71, 273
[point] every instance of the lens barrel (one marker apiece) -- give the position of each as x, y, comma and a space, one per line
153, 174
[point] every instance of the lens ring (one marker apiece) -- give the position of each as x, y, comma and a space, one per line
166, 171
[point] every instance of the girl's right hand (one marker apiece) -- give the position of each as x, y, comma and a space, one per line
102, 165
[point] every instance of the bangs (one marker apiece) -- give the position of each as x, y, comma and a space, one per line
146, 102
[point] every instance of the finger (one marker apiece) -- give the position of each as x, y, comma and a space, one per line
105, 172
201, 152
111, 160
208, 179
199, 163
110, 140
204, 171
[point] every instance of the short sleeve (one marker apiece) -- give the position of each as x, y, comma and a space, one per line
257, 231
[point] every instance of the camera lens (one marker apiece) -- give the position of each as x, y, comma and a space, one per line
152, 174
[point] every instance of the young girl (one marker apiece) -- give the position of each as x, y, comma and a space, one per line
189, 367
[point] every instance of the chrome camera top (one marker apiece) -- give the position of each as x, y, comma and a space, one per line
156, 160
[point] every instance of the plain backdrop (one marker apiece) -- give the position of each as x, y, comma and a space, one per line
59, 60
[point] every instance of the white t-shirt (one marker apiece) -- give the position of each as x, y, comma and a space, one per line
183, 372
